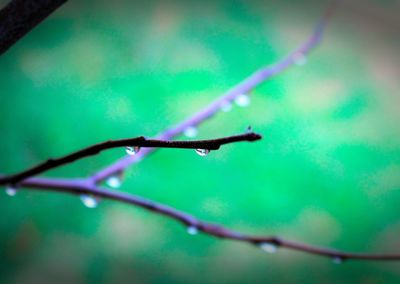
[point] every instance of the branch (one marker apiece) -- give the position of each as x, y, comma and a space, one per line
243, 87
21, 16
194, 225
141, 141
86, 187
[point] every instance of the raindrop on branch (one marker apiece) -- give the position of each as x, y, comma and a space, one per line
114, 181
268, 247
191, 132
337, 260
192, 230
89, 201
299, 59
226, 106
11, 190
132, 150
202, 152
243, 100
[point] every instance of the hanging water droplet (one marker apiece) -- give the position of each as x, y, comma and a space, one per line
132, 150
242, 100
89, 201
299, 59
114, 181
268, 247
337, 260
202, 152
192, 230
191, 132
11, 190
226, 106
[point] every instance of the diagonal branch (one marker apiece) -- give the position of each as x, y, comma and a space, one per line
267, 243
141, 141
243, 87
20, 16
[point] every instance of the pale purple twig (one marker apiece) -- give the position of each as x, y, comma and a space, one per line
267, 243
243, 87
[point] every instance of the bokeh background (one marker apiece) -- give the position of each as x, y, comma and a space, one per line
326, 172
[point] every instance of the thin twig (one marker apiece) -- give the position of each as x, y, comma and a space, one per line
87, 187
243, 87
80, 187
141, 141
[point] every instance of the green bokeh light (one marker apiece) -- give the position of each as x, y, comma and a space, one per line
326, 172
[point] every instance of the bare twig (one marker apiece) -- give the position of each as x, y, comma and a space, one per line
88, 187
141, 141
243, 87
19, 17
268, 243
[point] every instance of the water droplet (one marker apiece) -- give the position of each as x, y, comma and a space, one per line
192, 230
249, 129
191, 132
242, 100
226, 106
299, 59
114, 181
337, 260
132, 150
89, 201
202, 152
268, 247
11, 190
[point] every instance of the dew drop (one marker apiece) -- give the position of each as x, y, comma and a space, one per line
89, 201
337, 260
114, 181
202, 152
11, 190
191, 132
192, 230
268, 247
299, 59
226, 106
242, 100
132, 150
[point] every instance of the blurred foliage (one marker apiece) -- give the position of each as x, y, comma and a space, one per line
326, 172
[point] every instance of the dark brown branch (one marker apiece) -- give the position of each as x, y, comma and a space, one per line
141, 141
82, 187
87, 187
21, 16
243, 87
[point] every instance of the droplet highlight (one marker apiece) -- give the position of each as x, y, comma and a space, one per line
192, 230
202, 152
337, 260
132, 150
242, 100
191, 132
226, 106
268, 247
89, 201
299, 59
114, 181
11, 190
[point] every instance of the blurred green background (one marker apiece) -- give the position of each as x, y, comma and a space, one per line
326, 172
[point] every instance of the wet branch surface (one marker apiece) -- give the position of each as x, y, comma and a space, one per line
214, 230
12, 29
212, 144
